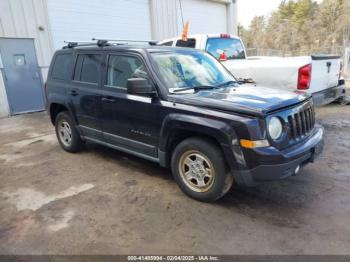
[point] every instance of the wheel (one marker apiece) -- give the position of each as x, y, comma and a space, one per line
199, 169
67, 134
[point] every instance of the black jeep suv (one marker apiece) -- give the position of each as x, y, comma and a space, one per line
182, 109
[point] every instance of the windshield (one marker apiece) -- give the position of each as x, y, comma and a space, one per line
233, 48
184, 69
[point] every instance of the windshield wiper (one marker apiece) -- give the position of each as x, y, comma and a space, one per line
195, 88
227, 83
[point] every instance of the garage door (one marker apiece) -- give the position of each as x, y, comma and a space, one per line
204, 16
80, 20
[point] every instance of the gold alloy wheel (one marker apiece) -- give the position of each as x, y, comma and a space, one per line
197, 171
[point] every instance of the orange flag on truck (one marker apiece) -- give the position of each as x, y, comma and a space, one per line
185, 31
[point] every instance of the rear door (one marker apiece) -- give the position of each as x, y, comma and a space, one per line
84, 93
325, 72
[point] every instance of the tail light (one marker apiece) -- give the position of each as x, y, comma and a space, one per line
225, 36
223, 56
304, 77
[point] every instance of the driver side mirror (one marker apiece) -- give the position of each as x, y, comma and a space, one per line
140, 86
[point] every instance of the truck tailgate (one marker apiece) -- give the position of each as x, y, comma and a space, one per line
325, 72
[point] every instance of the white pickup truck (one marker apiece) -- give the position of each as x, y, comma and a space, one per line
318, 75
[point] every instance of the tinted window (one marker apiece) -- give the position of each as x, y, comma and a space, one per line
61, 67
233, 48
87, 68
121, 68
170, 43
189, 43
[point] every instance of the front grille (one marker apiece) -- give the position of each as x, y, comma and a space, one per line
301, 123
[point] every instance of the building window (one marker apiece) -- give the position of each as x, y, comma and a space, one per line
19, 60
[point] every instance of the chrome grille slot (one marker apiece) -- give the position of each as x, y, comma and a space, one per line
301, 123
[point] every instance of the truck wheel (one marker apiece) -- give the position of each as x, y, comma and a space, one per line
199, 169
67, 134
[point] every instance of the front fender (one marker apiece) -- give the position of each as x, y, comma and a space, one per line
218, 130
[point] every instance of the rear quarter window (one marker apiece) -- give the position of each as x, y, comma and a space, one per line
191, 42
61, 69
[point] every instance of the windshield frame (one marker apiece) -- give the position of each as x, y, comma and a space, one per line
164, 82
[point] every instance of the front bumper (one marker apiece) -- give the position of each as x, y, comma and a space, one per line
328, 95
287, 161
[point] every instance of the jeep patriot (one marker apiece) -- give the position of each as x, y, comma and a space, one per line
182, 109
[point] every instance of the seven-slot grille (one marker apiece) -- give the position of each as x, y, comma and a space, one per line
301, 123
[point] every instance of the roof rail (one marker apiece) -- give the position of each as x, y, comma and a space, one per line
105, 42
72, 44
150, 42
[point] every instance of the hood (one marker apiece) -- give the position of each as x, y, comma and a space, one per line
247, 98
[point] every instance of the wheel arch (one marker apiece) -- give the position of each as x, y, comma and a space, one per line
55, 108
177, 128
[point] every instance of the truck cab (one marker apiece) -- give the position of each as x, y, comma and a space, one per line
317, 75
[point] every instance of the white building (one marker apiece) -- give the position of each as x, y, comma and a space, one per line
30, 31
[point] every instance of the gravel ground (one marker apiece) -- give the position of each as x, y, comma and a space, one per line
101, 201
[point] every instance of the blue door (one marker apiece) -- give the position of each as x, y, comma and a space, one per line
21, 75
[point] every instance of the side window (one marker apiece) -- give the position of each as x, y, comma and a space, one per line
121, 68
87, 68
170, 43
191, 42
61, 67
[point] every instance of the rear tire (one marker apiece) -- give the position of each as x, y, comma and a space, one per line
67, 134
199, 169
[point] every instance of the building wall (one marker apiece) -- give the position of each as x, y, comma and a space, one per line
4, 107
30, 19
26, 19
81, 20
166, 17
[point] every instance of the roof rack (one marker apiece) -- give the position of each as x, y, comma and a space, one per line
105, 42
72, 44
125, 41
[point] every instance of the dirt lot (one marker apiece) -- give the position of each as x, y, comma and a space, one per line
101, 201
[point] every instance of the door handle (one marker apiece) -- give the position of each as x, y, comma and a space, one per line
108, 100
74, 92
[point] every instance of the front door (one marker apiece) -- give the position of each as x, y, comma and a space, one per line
130, 122
21, 75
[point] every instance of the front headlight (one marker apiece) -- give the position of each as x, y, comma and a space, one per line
275, 128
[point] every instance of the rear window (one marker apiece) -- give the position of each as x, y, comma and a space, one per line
87, 68
191, 42
170, 43
62, 67
233, 48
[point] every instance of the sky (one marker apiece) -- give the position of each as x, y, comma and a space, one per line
247, 9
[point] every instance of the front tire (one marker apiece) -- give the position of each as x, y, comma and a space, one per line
199, 169
67, 134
